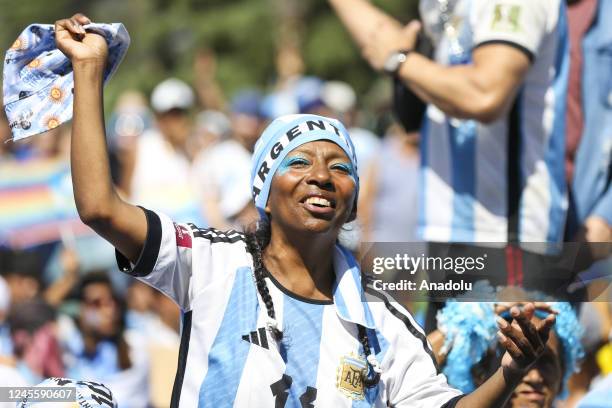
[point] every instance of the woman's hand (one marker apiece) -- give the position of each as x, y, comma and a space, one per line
523, 339
77, 44
501, 307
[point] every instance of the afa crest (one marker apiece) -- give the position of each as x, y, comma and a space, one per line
506, 17
351, 372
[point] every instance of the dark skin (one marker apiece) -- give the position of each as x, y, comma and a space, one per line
303, 235
98, 300
541, 384
302, 238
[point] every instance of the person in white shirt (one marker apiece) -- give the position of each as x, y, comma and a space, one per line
277, 317
161, 172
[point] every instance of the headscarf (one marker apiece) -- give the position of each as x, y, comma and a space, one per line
284, 135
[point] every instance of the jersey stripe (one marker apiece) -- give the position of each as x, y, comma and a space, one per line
462, 140
183, 350
303, 324
348, 295
229, 352
410, 325
556, 147
514, 171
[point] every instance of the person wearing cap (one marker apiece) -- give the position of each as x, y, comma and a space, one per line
159, 167
277, 316
222, 186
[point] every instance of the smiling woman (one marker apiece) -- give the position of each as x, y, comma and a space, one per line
276, 317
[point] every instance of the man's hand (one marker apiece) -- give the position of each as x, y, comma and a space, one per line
387, 38
76, 43
523, 340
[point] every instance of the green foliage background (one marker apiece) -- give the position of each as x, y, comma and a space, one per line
243, 33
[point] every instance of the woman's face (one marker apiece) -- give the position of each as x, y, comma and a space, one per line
99, 313
313, 189
540, 386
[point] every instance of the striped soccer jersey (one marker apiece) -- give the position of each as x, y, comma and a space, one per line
228, 358
500, 181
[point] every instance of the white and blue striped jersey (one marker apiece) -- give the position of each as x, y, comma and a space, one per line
229, 359
500, 181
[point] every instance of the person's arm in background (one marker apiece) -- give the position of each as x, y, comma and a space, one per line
97, 202
57, 292
482, 90
598, 227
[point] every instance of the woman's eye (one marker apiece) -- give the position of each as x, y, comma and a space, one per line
345, 168
297, 162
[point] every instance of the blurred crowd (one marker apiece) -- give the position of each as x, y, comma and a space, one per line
185, 150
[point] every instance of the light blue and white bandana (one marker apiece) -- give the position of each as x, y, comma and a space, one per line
38, 78
282, 136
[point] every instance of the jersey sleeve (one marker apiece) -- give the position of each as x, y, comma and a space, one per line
518, 23
166, 259
410, 369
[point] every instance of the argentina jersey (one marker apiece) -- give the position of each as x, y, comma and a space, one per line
228, 358
504, 180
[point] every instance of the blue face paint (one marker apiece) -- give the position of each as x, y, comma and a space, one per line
347, 168
291, 161
284, 135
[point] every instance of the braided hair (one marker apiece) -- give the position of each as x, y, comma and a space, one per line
256, 242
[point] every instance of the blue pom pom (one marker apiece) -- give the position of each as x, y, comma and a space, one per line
470, 330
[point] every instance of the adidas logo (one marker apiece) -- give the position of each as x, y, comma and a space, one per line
259, 338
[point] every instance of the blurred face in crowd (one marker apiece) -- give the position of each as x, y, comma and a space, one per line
40, 351
540, 386
33, 333
22, 287
313, 189
175, 125
246, 129
99, 311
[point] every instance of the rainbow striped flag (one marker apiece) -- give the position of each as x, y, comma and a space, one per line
36, 203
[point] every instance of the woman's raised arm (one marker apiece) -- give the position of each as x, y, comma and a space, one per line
97, 202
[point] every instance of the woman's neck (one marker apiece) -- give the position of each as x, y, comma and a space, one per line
303, 265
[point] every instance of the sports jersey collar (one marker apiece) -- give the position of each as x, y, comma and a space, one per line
349, 297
